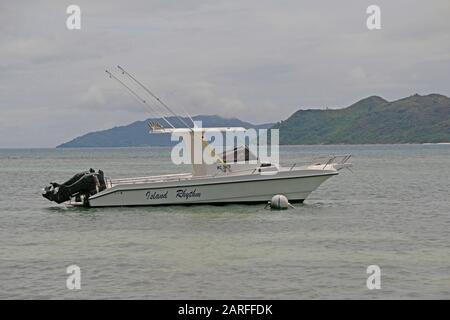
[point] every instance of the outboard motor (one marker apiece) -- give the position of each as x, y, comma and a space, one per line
84, 183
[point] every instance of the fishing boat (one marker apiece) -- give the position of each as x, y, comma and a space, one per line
237, 175
222, 183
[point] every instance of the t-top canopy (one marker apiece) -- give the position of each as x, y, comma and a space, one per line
159, 129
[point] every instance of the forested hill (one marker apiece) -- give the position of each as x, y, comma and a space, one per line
415, 119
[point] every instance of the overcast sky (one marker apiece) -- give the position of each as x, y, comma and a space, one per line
256, 60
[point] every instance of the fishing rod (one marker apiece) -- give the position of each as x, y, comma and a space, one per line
204, 142
135, 95
155, 97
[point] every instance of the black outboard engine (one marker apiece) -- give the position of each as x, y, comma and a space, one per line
82, 184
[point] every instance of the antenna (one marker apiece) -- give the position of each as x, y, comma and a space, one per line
135, 95
154, 96
152, 125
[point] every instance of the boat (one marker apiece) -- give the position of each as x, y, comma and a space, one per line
255, 184
244, 179
237, 175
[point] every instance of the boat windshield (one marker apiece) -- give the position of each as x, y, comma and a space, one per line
239, 154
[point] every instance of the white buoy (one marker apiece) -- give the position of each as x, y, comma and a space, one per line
279, 202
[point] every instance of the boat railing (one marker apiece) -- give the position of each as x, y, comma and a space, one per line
320, 161
326, 161
218, 174
331, 160
168, 177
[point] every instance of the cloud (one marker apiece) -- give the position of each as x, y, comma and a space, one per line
258, 60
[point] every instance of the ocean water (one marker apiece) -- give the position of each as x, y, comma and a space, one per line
393, 211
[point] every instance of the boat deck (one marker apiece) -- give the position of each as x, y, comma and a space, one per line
325, 163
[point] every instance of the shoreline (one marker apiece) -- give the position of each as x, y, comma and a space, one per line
281, 145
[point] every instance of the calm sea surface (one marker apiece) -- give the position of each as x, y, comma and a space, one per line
392, 211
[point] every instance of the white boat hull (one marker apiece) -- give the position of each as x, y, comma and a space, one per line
240, 189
